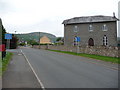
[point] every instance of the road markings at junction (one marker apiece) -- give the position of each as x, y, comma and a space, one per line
41, 84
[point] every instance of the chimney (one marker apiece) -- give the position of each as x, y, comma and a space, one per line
114, 15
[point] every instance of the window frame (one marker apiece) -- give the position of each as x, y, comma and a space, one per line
75, 28
105, 40
104, 27
90, 28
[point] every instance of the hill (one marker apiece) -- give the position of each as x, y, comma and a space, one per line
35, 36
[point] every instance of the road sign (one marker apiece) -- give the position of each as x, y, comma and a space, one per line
77, 39
8, 36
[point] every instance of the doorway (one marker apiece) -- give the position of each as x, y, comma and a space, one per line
91, 42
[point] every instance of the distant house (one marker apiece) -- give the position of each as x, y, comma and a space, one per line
45, 40
92, 30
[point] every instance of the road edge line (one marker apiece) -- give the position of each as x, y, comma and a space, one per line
42, 86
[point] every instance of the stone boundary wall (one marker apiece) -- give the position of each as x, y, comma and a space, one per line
98, 50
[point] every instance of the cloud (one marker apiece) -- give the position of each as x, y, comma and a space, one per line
47, 15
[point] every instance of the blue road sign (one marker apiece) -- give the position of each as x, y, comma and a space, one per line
8, 36
77, 39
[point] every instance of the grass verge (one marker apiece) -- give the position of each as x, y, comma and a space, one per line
4, 63
98, 57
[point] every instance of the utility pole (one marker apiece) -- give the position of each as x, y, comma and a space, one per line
39, 40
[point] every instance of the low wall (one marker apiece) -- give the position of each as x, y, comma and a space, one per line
41, 46
98, 50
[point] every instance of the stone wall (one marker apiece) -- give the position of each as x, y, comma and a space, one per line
41, 46
98, 50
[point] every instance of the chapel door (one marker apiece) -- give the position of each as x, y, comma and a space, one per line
91, 42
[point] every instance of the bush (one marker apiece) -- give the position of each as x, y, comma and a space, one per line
33, 42
22, 44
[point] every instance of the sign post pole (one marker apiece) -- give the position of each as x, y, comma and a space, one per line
8, 43
8, 37
78, 48
78, 44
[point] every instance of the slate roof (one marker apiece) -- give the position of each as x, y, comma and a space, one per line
89, 19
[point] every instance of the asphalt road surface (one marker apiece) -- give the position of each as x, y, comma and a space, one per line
58, 70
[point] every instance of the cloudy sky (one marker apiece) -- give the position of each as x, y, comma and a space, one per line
25, 16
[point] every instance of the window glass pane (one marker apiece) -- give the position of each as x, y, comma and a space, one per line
104, 27
105, 40
76, 29
90, 28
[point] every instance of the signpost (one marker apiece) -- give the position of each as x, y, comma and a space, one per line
8, 37
77, 39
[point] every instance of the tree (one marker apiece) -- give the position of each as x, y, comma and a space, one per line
13, 42
33, 42
59, 38
2, 39
59, 41
3, 35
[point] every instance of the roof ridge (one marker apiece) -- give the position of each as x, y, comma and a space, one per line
86, 19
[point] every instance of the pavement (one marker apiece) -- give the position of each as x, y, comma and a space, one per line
19, 73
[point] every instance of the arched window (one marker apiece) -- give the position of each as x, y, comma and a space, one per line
104, 27
105, 40
75, 28
90, 28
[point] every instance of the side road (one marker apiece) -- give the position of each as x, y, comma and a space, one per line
19, 73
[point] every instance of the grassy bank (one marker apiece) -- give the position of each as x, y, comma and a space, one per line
98, 57
5, 62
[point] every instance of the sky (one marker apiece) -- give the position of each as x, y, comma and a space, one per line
25, 16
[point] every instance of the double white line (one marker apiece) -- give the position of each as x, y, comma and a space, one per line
41, 85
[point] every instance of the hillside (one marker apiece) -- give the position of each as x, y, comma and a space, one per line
35, 36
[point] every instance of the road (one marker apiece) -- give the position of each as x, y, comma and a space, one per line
58, 70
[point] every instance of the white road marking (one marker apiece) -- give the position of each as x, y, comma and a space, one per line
41, 84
